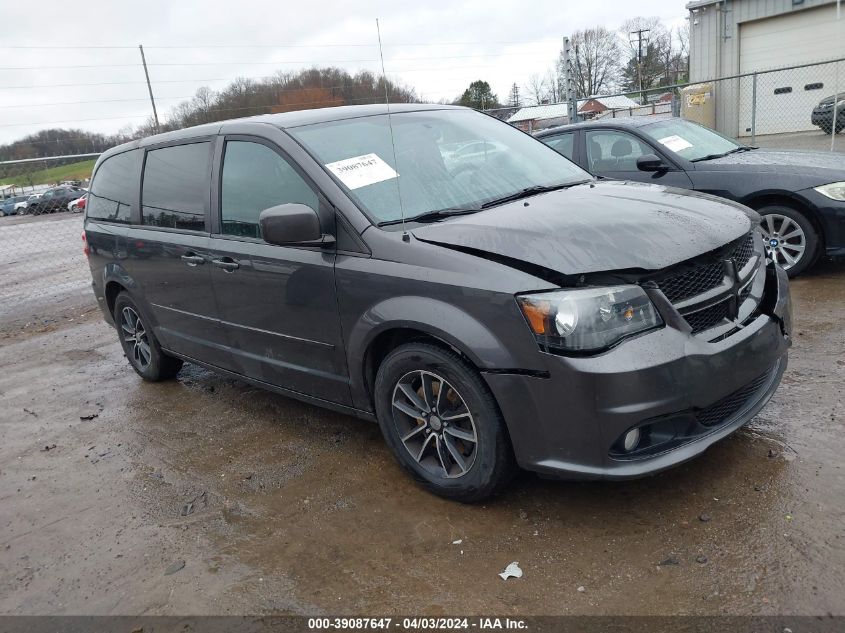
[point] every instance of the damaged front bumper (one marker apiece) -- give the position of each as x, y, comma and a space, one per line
682, 392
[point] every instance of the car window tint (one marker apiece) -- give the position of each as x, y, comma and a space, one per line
113, 187
562, 143
176, 186
257, 178
610, 151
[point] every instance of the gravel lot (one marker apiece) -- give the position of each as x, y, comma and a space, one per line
207, 496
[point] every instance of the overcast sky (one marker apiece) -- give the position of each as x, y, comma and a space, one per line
435, 47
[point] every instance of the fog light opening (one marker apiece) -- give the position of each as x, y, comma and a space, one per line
631, 440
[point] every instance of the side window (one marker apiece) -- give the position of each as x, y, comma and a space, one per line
176, 186
114, 186
257, 178
562, 143
614, 151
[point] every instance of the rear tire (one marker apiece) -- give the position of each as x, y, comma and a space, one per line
442, 423
791, 238
139, 343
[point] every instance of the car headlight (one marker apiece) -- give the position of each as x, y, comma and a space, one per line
834, 191
589, 319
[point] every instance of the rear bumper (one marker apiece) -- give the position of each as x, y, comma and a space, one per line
683, 393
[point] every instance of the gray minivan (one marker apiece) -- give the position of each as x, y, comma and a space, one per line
499, 311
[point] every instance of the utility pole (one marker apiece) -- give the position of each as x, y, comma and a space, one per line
639, 34
149, 86
569, 83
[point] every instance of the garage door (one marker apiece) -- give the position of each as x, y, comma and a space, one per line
786, 99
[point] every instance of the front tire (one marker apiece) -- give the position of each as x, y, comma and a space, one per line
791, 238
139, 343
442, 423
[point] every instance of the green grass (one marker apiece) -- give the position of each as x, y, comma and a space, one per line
73, 171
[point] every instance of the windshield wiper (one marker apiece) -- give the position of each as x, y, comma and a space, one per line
530, 191
431, 216
741, 148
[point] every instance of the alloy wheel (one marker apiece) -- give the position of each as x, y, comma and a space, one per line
785, 240
135, 336
434, 424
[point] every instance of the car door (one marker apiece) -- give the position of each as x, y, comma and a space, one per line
613, 154
278, 303
168, 253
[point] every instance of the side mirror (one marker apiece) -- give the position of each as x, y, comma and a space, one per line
292, 224
651, 162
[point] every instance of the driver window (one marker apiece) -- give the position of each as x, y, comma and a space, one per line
612, 151
256, 178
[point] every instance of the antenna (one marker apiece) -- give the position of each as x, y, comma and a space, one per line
392, 141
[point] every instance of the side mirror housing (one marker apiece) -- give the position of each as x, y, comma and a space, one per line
292, 225
651, 162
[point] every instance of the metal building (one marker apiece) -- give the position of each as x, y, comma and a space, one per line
734, 37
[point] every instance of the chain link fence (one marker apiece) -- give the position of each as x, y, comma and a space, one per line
45, 275
799, 107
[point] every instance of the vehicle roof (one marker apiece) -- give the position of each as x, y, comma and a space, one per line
282, 120
628, 121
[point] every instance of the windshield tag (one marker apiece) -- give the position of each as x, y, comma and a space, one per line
360, 171
675, 143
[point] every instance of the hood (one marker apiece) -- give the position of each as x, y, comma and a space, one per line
606, 226
821, 167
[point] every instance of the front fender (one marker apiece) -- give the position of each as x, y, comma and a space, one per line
439, 319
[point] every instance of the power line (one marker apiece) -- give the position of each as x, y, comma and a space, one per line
256, 46
268, 63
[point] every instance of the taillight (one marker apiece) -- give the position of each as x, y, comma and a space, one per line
85, 248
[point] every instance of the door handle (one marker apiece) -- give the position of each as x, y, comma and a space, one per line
192, 259
227, 264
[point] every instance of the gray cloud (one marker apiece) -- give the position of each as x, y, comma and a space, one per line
435, 47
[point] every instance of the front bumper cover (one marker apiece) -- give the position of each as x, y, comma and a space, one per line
568, 424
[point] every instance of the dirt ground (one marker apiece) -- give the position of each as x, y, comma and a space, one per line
207, 496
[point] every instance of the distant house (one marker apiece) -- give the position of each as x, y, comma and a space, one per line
503, 114
598, 104
533, 118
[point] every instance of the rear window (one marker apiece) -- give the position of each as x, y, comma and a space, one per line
176, 186
113, 187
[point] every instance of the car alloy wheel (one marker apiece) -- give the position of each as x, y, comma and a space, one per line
135, 336
785, 240
434, 424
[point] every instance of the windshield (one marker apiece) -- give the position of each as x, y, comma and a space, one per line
689, 140
445, 160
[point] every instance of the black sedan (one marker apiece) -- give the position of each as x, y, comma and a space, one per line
53, 200
800, 195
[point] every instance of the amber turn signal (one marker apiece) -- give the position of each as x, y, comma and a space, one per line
537, 313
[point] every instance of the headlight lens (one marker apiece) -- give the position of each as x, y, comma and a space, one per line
589, 319
834, 191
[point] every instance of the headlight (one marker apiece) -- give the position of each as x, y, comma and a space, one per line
834, 191
590, 319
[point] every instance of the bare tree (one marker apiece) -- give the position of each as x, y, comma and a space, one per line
537, 90
596, 53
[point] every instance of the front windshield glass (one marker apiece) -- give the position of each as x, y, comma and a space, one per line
445, 160
689, 140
